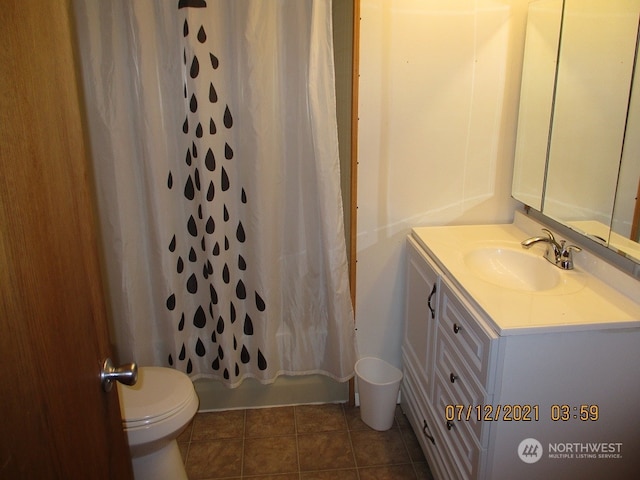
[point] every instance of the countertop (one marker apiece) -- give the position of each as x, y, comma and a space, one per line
584, 302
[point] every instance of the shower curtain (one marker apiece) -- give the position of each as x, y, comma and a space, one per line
214, 140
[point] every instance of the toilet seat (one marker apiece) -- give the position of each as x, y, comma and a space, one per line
158, 394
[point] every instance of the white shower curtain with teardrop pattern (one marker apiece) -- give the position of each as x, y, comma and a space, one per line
214, 138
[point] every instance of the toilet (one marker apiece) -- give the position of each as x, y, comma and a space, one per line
154, 412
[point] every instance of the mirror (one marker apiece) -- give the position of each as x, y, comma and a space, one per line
541, 49
578, 144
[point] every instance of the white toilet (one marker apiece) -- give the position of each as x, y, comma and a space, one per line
154, 412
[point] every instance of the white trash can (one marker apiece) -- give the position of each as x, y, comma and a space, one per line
378, 385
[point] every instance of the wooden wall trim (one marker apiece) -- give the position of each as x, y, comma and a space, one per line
354, 147
353, 230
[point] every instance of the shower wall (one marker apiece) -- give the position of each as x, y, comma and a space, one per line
306, 389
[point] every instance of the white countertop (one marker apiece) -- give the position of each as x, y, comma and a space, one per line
586, 304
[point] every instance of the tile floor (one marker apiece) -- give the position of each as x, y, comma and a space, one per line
308, 442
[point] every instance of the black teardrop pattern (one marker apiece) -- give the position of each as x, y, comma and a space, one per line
216, 223
195, 67
210, 161
199, 319
196, 178
232, 313
189, 191
248, 325
244, 356
192, 227
213, 95
200, 350
192, 284
202, 36
171, 302
227, 118
224, 180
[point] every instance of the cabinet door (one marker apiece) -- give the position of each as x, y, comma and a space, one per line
423, 283
422, 420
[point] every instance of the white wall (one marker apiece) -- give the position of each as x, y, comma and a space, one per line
438, 101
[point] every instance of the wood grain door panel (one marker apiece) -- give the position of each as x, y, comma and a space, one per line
56, 420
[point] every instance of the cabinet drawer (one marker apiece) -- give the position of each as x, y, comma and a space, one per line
469, 336
464, 450
465, 390
416, 409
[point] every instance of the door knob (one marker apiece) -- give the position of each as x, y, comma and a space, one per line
127, 374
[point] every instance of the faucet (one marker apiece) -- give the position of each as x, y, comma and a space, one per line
560, 254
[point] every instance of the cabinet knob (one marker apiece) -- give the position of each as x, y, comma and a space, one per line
456, 328
452, 377
449, 425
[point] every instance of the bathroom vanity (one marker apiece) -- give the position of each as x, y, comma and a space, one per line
515, 368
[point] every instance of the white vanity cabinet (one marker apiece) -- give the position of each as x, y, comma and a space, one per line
473, 392
447, 357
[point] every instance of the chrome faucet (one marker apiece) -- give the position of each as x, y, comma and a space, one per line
560, 254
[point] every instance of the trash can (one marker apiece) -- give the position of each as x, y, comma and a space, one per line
378, 385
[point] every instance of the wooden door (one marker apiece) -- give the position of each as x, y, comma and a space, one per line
55, 420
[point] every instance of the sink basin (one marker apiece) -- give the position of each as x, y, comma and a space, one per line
513, 269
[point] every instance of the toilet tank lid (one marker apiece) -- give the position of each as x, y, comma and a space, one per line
158, 392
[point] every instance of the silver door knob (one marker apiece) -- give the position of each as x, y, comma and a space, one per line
127, 374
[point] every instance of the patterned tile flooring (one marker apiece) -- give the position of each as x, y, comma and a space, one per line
307, 442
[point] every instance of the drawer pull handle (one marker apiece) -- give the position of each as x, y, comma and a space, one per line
425, 429
433, 292
456, 328
449, 425
452, 377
